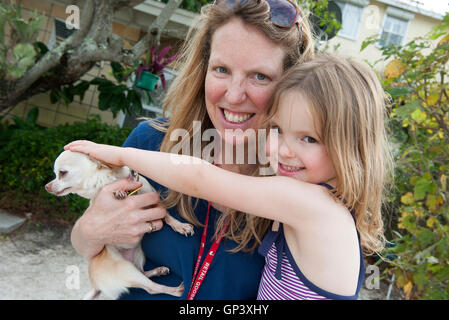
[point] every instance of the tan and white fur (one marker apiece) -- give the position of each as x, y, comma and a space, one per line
116, 267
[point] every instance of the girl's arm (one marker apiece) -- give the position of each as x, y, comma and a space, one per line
277, 198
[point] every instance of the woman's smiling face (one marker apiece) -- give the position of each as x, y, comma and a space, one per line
244, 66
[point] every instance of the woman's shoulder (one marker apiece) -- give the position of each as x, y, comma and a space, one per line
147, 135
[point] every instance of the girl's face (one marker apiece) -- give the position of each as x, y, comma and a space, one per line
243, 69
300, 154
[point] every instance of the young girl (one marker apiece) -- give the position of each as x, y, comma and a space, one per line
326, 198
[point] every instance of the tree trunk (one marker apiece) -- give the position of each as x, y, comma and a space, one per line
75, 56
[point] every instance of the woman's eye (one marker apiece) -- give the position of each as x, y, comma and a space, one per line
220, 70
261, 77
309, 139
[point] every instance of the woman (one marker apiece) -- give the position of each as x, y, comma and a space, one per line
229, 67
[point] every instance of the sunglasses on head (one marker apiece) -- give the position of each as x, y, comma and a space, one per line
284, 13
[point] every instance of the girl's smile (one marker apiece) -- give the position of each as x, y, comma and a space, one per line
290, 171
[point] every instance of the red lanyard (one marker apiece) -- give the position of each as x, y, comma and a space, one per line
197, 280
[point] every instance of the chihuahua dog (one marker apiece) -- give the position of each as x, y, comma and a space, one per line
116, 267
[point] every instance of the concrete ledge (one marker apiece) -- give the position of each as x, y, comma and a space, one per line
9, 222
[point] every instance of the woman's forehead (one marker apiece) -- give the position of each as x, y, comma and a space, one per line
237, 41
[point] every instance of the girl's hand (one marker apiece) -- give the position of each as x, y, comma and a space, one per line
105, 153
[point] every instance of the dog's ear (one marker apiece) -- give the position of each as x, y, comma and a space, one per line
102, 165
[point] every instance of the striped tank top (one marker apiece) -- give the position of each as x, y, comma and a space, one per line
283, 280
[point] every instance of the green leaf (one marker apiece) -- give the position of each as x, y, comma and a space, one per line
404, 112
80, 89
407, 198
104, 100
117, 71
32, 116
418, 115
398, 91
421, 188
426, 238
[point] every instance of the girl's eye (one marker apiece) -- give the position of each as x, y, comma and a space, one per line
308, 139
275, 128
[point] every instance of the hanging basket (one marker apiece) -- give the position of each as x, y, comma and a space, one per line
147, 81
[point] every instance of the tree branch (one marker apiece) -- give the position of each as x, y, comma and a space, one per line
153, 33
77, 54
52, 58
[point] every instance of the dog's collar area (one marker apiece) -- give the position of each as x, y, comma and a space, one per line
132, 192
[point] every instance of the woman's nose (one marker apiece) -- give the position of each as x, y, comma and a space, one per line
236, 91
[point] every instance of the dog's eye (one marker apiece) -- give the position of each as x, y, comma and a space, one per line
62, 173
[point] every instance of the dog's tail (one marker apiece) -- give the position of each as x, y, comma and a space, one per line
92, 294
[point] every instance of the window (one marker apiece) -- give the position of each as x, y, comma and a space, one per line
351, 16
59, 33
393, 31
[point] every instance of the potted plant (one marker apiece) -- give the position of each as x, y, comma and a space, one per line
151, 70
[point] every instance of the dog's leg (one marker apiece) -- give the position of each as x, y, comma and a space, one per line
155, 288
182, 228
159, 271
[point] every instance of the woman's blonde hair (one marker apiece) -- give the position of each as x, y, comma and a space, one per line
348, 106
185, 100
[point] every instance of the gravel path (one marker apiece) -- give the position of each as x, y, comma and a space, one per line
39, 263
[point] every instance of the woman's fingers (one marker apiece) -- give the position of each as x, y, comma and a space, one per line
124, 184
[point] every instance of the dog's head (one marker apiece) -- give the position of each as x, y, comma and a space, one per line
77, 173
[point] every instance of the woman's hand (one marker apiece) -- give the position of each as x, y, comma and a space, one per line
105, 153
112, 221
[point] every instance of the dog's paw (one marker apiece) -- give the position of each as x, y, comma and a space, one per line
159, 271
120, 194
184, 228
163, 271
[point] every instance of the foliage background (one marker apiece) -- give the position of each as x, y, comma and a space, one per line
27, 154
416, 79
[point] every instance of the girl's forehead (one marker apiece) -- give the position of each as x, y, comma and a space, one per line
294, 111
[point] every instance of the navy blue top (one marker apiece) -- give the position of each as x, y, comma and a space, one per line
231, 276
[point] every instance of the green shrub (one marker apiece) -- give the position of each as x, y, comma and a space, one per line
27, 154
419, 120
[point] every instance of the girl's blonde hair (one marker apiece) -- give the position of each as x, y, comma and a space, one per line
348, 106
185, 98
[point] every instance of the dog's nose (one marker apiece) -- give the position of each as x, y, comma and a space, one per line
48, 187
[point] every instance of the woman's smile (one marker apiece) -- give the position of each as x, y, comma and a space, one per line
244, 67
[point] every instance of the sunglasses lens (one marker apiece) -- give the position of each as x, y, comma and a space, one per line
283, 13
